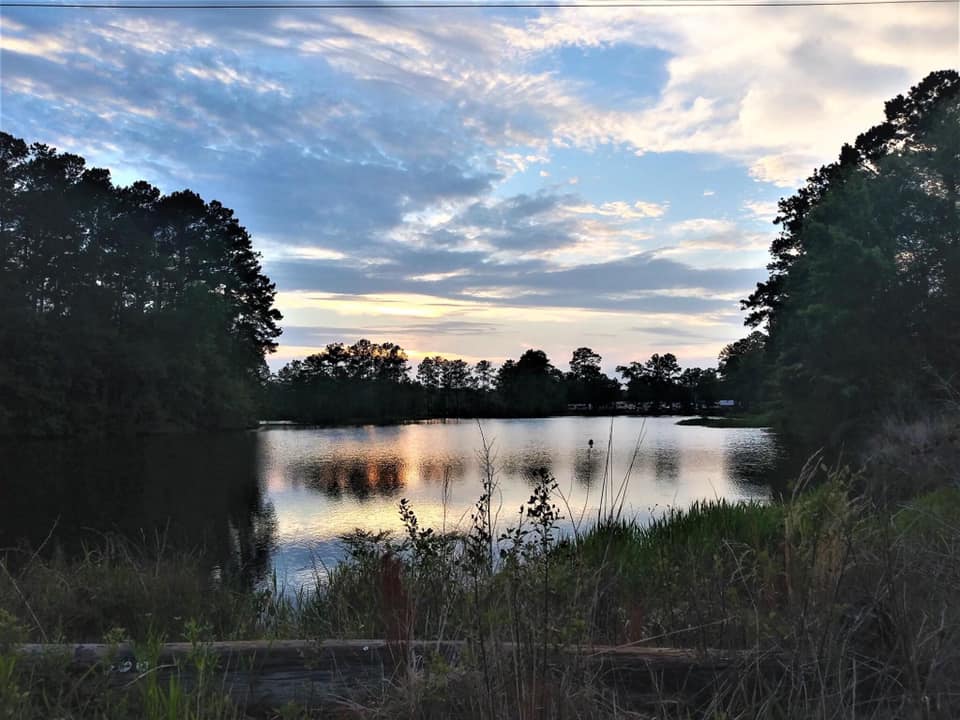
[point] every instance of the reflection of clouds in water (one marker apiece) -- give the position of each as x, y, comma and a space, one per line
305, 563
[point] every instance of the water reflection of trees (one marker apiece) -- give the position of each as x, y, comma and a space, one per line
588, 466
356, 476
527, 465
183, 493
666, 464
436, 471
765, 463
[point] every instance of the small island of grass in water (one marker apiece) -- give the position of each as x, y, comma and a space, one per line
729, 421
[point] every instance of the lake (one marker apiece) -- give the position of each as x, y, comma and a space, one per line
277, 499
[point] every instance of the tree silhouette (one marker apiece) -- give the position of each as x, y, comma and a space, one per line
121, 309
586, 382
862, 306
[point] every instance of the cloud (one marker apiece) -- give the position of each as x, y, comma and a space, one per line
712, 242
312, 335
670, 331
406, 155
762, 210
781, 101
622, 210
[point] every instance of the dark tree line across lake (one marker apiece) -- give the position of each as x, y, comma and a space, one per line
126, 310
373, 381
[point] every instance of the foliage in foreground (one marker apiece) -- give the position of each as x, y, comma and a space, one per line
848, 595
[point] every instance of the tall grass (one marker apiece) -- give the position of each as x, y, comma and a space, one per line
841, 602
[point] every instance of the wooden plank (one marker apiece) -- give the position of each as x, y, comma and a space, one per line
272, 673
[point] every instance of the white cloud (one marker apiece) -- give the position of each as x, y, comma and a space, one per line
762, 210
778, 89
715, 243
621, 210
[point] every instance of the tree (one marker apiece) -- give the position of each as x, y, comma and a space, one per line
586, 382
700, 387
654, 381
360, 382
863, 303
531, 385
663, 372
742, 367
635, 377
429, 372
585, 364
909, 120
123, 310
484, 375
455, 375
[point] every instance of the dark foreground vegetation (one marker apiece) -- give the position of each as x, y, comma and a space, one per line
841, 599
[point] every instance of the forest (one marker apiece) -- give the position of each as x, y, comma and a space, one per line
859, 320
123, 310
369, 381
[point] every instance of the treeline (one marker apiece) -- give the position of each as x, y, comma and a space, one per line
374, 382
123, 309
860, 317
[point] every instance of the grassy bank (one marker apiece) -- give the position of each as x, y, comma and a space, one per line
850, 595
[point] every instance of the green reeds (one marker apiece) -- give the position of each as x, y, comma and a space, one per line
851, 601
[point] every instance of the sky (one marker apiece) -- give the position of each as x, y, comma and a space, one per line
476, 182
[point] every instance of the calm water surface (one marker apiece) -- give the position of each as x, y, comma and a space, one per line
276, 500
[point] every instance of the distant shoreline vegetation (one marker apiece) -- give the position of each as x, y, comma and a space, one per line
372, 382
730, 421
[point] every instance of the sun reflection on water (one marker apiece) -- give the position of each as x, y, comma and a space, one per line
325, 482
